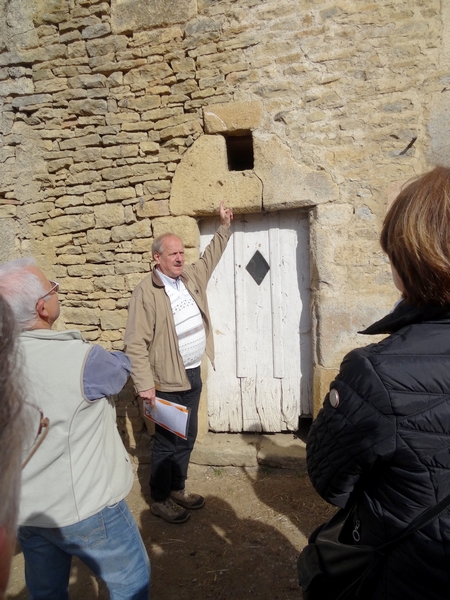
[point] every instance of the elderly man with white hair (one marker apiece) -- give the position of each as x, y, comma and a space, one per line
73, 488
12, 432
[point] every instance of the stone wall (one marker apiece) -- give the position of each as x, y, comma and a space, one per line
103, 102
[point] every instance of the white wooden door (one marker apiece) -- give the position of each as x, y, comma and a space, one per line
259, 302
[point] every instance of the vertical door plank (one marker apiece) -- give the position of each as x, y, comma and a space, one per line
222, 386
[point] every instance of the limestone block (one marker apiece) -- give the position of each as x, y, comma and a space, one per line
133, 279
7, 211
108, 45
120, 194
145, 74
113, 319
124, 138
76, 50
84, 177
138, 15
32, 100
338, 321
101, 65
117, 173
90, 270
68, 224
21, 86
149, 147
184, 227
87, 81
50, 86
109, 283
202, 180
107, 304
141, 229
108, 215
141, 104
94, 198
333, 215
236, 116
96, 31
122, 151
152, 188
142, 246
98, 236
92, 139
81, 316
70, 259
88, 106
77, 285
287, 184
153, 208
321, 385
130, 267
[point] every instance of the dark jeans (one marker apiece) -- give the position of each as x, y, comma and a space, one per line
170, 456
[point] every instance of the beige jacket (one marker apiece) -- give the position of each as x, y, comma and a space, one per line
150, 338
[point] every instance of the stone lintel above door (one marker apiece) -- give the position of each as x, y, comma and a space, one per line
276, 182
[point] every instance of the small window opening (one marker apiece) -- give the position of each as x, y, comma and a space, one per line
240, 152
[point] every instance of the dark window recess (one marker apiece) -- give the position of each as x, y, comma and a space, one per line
258, 267
240, 152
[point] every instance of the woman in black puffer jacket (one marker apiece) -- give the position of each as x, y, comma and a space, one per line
385, 425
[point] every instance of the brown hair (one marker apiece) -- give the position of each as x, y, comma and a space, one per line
416, 237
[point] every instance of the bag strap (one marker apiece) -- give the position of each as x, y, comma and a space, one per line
425, 517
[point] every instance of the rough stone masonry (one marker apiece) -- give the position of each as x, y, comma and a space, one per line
113, 118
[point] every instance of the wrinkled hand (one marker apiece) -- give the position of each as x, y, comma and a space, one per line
226, 215
149, 396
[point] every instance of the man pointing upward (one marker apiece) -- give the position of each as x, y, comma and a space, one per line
168, 331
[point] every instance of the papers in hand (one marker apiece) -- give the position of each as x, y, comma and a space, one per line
169, 415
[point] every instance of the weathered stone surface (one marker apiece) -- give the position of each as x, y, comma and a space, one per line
184, 227
141, 229
113, 319
108, 215
131, 15
153, 208
202, 180
120, 194
72, 224
96, 31
236, 116
14, 87
81, 316
287, 184
88, 107
33, 99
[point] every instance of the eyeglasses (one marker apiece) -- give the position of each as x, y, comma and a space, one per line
39, 429
53, 289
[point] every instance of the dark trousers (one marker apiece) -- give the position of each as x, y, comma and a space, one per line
171, 454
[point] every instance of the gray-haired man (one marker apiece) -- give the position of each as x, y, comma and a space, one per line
73, 489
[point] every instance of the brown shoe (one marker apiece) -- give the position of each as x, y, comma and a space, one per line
169, 511
186, 499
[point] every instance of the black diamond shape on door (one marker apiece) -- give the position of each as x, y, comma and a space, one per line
258, 267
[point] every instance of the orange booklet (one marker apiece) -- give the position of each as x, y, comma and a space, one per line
170, 415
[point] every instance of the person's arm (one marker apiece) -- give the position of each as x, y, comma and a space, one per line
226, 215
348, 437
206, 264
138, 338
105, 373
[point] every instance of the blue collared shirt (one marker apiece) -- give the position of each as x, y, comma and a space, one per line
105, 373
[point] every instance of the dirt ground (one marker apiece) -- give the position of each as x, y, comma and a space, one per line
243, 544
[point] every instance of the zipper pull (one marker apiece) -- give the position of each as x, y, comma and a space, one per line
355, 533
